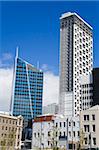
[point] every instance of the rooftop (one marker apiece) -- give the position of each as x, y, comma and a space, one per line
68, 14
5, 115
96, 107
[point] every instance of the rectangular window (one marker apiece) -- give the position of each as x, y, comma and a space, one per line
64, 124
85, 139
48, 143
94, 129
86, 117
64, 133
56, 124
69, 123
94, 141
86, 128
48, 133
56, 134
78, 134
74, 133
69, 133
74, 123
34, 134
93, 117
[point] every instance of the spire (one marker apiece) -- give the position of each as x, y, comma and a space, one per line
17, 51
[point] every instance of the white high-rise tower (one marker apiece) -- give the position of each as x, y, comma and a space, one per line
76, 63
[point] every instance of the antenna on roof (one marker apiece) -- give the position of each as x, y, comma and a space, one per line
17, 51
38, 64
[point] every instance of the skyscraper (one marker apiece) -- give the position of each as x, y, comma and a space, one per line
27, 90
76, 63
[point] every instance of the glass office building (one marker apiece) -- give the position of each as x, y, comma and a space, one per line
27, 90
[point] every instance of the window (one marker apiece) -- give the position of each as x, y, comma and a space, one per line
83, 45
83, 70
86, 44
93, 117
56, 124
64, 134
86, 117
80, 72
56, 134
78, 134
34, 134
80, 47
60, 124
56, 143
18, 136
80, 40
86, 128
80, 53
48, 133
38, 134
94, 141
80, 34
48, 143
69, 123
86, 39
83, 33
85, 139
93, 126
74, 123
83, 64
60, 133
64, 124
69, 133
74, 133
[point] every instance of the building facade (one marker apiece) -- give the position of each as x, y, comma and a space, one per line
89, 124
51, 109
76, 62
27, 90
10, 131
55, 131
86, 91
95, 86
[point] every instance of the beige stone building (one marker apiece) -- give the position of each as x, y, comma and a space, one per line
89, 122
10, 132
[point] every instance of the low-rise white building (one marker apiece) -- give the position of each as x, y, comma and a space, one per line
10, 131
51, 131
89, 121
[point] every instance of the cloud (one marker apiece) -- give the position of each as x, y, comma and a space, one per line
6, 60
51, 88
50, 94
45, 67
5, 88
6, 56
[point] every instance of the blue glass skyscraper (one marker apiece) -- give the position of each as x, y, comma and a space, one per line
27, 90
